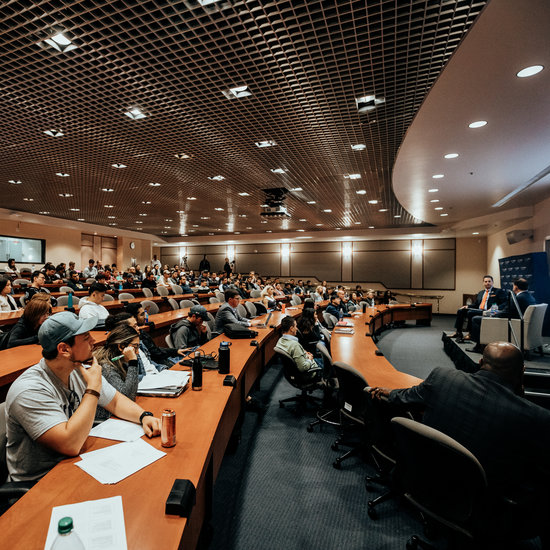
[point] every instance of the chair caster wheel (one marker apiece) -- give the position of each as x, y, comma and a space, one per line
412, 543
334, 446
373, 514
337, 464
309, 428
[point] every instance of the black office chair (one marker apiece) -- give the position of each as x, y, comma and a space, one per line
306, 383
353, 407
260, 308
447, 484
10, 491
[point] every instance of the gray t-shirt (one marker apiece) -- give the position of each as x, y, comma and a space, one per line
36, 402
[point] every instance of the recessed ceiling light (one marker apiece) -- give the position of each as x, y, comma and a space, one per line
242, 215
65, 195
244, 194
438, 208
182, 156
249, 227
477, 124
118, 165
43, 213
60, 43
327, 210
112, 224
443, 214
135, 114
54, 133
475, 233
219, 209
368, 103
191, 198
530, 71
154, 184
434, 190
80, 220
263, 221
438, 176
358, 147
202, 218
143, 214
167, 227
373, 201
383, 210
357, 223
168, 220
297, 189
303, 220
195, 225
434, 200
138, 221
305, 237
397, 216
107, 189
27, 199
277, 170
268, 231
361, 192
139, 228
211, 233
111, 217
451, 155
145, 202
371, 226
265, 143
352, 176
318, 224
163, 232
311, 202
15, 182
237, 232
74, 209
237, 93
62, 174
216, 178
338, 228
301, 230
108, 206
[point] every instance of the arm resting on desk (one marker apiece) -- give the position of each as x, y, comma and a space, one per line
124, 408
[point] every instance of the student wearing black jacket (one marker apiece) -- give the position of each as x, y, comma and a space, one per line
25, 330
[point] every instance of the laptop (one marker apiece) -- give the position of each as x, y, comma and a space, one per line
266, 324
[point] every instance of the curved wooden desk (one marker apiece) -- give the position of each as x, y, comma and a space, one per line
382, 316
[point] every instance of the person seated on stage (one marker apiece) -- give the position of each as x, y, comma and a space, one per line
485, 300
129, 282
7, 301
11, 268
487, 413
289, 343
267, 298
524, 299
51, 407
90, 272
25, 331
192, 331
92, 306
335, 307
119, 363
228, 312
369, 298
37, 286
150, 281
74, 281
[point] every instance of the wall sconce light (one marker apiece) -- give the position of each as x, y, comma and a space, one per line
346, 251
417, 249
285, 250
230, 252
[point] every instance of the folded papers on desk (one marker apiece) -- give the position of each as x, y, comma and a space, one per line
115, 463
98, 523
166, 383
118, 430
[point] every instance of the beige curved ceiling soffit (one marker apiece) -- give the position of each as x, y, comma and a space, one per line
504, 164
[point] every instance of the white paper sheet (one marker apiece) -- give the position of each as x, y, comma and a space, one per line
118, 430
98, 523
164, 379
113, 464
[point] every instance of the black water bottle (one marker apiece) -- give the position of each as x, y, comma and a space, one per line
224, 358
196, 372
364, 307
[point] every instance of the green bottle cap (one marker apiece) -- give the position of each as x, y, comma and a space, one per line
65, 525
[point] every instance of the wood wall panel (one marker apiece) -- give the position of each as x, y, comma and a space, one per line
439, 269
322, 265
392, 268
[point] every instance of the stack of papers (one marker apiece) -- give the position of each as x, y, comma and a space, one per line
119, 430
167, 383
98, 523
344, 323
343, 330
113, 464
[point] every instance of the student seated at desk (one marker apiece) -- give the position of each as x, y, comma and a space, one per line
37, 287
51, 407
74, 282
26, 329
119, 363
7, 302
192, 331
92, 305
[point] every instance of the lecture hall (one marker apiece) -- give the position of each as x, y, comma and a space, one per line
274, 274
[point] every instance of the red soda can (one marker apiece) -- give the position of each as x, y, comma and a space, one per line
283, 308
168, 428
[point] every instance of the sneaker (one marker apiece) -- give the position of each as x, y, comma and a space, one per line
456, 335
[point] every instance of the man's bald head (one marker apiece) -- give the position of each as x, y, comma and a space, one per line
506, 360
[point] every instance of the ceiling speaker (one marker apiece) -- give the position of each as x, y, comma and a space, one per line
519, 235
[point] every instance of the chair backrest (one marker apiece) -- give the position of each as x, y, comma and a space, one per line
64, 300
125, 296
296, 300
351, 397
255, 293
186, 303
330, 320
436, 472
195, 302
3, 443
242, 310
211, 321
22, 300
251, 308
213, 300
22, 282
65, 289
173, 303
220, 296
147, 292
168, 340
534, 319
108, 298
260, 308
176, 289
90, 280
292, 374
151, 307
163, 290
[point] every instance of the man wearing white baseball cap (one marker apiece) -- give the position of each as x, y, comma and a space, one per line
50, 408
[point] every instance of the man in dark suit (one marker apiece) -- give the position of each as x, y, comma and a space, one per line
524, 299
485, 299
